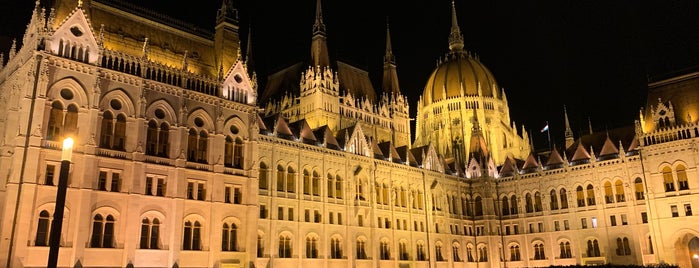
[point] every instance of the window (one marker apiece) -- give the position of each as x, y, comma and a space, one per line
229, 239
263, 211
280, 179
513, 205
564, 198
590, 195
624, 220
335, 248
438, 252
505, 206
644, 217
361, 249
384, 252
50, 174
155, 186
537, 202
262, 176
622, 247
539, 251
554, 200
687, 209
157, 139
638, 186
619, 191
61, 123
482, 254
420, 253
673, 209
529, 203
192, 236
593, 248
612, 220
360, 220
306, 182
238, 159
583, 223
556, 226
668, 180
160, 187
469, 254
290, 181
149, 186
608, 194
515, 254
541, 227
339, 218
682, 181
403, 251
196, 190
197, 146
565, 250
260, 246
233, 194
42, 229
455, 253
317, 217
478, 204
108, 181
102, 232
113, 131
291, 214
150, 233
315, 183
284, 246
566, 225
311, 247
594, 222
580, 196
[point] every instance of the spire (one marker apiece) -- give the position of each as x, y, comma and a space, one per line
319, 46
589, 124
456, 40
248, 49
227, 13
390, 76
568, 131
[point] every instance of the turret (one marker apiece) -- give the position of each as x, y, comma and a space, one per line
226, 38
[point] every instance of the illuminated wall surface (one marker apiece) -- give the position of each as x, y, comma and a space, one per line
178, 163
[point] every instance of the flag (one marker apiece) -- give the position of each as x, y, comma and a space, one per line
546, 128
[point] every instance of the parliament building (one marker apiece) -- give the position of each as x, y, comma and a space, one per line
182, 159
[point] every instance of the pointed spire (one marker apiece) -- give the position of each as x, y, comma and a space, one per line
568, 132
456, 40
390, 75
248, 49
227, 13
319, 46
589, 124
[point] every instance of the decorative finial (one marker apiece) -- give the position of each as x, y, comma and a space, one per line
80, 3
456, 40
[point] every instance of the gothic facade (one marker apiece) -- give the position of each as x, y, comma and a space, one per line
179, 162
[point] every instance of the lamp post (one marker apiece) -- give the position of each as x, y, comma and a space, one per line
57, 223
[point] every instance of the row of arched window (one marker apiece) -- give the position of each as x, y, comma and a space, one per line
312, 184
103, 227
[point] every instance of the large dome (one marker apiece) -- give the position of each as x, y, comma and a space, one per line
460, 69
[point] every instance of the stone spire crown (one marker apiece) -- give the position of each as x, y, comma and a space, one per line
456, 39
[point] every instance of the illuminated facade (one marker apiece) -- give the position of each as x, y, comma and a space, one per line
176, 165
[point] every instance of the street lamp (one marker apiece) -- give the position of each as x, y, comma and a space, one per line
57, 223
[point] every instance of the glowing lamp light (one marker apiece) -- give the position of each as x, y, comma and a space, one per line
67, 149
696, 256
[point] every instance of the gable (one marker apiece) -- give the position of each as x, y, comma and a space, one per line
238, 87
74, 39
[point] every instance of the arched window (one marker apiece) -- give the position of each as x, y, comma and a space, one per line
384, 251
107, 130
335, 248
280, 179
197, 146
338, 187
505, 206
478, 206
229, 239
150, 233
668, 180
513, 205
565, 250
119, 133
42, 229
157, 139
469, 253
420, 253
638, 186
102, 232
306, 182
284, 246
290, 180
539, 251
514, 253
315, 181
622, 247
537, 202
238, 158
192, 236
554, 199
580, 195
71, 122
263, 174
311, 247
593, 248
456, 257
590, 195
361, 249
403, 251
529, 203
564, 198
228, 152
619, 191
438, 252
682, 181
608, 194
55, 125
482, 254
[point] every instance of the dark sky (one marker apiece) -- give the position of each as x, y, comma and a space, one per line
594, 57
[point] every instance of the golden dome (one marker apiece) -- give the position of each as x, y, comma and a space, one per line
460, 69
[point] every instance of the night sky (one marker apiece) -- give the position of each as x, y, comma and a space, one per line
594, 57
